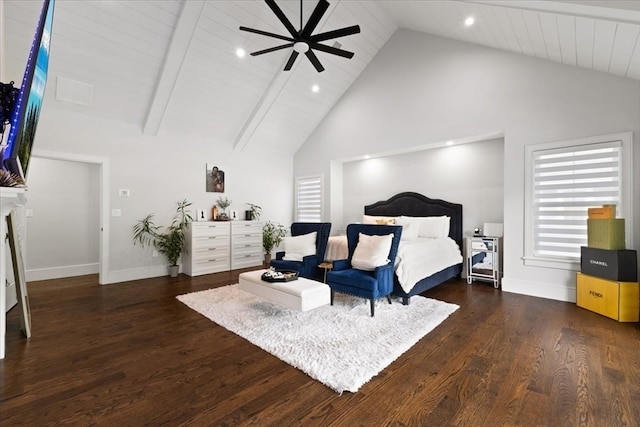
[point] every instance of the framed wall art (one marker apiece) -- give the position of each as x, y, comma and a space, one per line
214, 179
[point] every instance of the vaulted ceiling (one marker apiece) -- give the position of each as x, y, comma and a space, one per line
168, 65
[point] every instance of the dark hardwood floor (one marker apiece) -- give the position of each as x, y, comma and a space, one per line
130, 354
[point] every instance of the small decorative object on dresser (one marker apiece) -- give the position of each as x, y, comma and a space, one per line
223, 203
253, 213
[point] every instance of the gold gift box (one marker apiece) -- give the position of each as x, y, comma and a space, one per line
605, 233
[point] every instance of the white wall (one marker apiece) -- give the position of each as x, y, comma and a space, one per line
159, 171
470, 174
423, 89
64, 226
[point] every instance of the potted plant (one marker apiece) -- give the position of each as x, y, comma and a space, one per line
170, 242
224, 203
272, 235
254, 212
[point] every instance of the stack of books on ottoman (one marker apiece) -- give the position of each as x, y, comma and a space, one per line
608, 280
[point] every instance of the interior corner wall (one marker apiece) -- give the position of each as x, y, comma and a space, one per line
470, 174
422, 89
159, 171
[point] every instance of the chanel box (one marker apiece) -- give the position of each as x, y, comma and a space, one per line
619, 264
615, 299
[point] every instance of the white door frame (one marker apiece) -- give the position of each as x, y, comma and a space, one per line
103, 163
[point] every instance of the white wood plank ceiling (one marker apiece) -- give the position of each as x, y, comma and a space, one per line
168, 65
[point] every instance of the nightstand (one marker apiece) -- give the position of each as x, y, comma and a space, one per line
484, 259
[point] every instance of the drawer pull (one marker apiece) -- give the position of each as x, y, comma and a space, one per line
247, 246
212, 249
212, 260
247, 256
212, 237
247, 235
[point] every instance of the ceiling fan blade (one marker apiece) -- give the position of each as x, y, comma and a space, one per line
282, 17
342, 32
315, 17
314, 60
265, 33
331, 49
272, 49
291, 60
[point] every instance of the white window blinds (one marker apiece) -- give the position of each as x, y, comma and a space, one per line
309, 199
566, 182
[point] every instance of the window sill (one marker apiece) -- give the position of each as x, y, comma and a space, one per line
560, 264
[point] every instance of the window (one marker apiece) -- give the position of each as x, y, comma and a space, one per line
564, 180
309, 199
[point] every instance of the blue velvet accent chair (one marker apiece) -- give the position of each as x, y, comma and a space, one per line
308, 267
366, 284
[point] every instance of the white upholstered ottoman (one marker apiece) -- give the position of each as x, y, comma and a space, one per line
302, 294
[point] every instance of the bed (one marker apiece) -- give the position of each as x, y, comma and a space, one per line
415, 205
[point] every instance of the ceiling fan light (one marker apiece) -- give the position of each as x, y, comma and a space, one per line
301, 47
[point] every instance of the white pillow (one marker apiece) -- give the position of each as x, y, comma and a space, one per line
298, 247
379, 220
435, 226
371, 251
409, 228
431, 226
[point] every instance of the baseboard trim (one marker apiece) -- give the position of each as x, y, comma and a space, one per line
60, 272
119, 276
539, 289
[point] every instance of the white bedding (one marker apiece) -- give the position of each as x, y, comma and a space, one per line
423, 257
416, 259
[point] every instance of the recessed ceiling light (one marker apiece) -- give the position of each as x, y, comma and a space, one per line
315, 88
366, 156
240, 53
449, 142
469, 21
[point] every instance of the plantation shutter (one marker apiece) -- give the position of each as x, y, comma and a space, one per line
309, 199
566, 182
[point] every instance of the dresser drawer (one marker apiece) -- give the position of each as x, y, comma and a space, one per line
206, 242
246, 260
207, 266
247, 239
246, 227
220, 252
209, 229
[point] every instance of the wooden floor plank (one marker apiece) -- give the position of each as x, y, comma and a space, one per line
132, 354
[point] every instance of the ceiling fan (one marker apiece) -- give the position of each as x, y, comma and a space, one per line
303, 41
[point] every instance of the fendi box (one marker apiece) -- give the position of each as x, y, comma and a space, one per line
619, 264
605, 233
614, 299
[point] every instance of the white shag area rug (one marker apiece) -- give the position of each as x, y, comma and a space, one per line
341, 346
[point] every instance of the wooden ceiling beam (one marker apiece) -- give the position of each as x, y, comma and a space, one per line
176, 53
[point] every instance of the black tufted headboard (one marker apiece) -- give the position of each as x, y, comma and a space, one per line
414, 204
